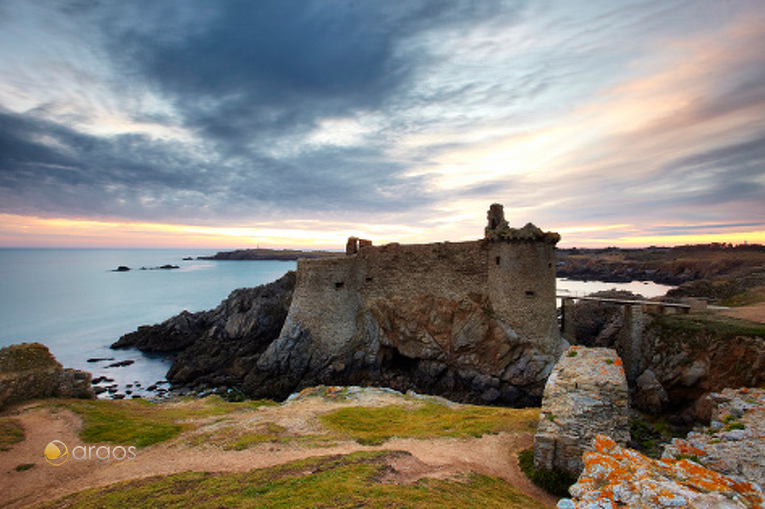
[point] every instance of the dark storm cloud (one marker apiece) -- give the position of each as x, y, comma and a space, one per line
244, 78
245, 72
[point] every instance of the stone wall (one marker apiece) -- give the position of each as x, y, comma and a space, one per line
29, 371
450, 318
586, 395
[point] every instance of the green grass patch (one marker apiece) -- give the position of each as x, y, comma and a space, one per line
348, 481
142, 423
734, 425
375, 425
718, 325
746, 298
23, 467
555, 482
11, 433
239, 437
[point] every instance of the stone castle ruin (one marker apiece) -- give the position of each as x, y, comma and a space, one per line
473, 321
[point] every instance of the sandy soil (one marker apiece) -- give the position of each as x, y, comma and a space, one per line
494, 455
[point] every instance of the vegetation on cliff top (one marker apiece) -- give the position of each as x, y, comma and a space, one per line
11, 433
354, 480
375, 425
142, 423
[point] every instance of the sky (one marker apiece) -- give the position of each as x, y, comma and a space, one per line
298, 123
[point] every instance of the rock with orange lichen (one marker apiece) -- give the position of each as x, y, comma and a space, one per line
734, 443
615, 476
585, 395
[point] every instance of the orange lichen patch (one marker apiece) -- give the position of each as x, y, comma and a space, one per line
620, 477
681, 447
603, 444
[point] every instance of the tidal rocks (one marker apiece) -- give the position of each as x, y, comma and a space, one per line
586, 395
29, 371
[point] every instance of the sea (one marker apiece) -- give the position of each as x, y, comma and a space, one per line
74, 302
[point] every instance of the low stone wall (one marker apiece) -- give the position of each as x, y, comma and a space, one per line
29, 371
586, 395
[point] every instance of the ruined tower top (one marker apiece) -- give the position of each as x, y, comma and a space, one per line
498, 229
496, 217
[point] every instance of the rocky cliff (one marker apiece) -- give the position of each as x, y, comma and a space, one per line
29, 371
675, 359
721, 465
219, 347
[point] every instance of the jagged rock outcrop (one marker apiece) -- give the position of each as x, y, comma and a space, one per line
691, 356
615, 476
598, 324
29, 371
672, 360
453, 348
734, 442
219, 347
586, 395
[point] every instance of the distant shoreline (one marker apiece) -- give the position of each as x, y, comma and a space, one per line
269, 254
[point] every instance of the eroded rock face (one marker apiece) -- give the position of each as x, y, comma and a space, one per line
29, 371
219, 347
586, 395
734, 442
615, 476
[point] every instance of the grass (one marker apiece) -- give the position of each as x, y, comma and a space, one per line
718, 325
11, 433
746, 298
238, 437
555, 482
375, 425
142, 423
355, 480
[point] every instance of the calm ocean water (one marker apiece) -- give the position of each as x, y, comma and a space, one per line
73, 302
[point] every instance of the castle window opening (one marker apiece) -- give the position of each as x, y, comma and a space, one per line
497, 260
368, 279
339, 284
530, 293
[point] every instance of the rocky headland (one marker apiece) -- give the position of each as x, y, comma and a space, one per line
268, 254
30, 371
742, 264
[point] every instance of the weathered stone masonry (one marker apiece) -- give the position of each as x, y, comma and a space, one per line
471, 320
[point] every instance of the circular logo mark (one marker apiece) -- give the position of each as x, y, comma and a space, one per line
56, 453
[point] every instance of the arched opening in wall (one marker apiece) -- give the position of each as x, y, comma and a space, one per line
497, 260
391, 359
339, 285
530, 293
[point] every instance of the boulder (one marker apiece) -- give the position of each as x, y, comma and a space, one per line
586, 395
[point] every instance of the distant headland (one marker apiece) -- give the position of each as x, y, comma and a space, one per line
269, 254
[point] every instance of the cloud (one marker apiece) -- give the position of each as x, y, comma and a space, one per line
413, 115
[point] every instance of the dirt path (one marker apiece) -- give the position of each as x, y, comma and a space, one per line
494, 455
